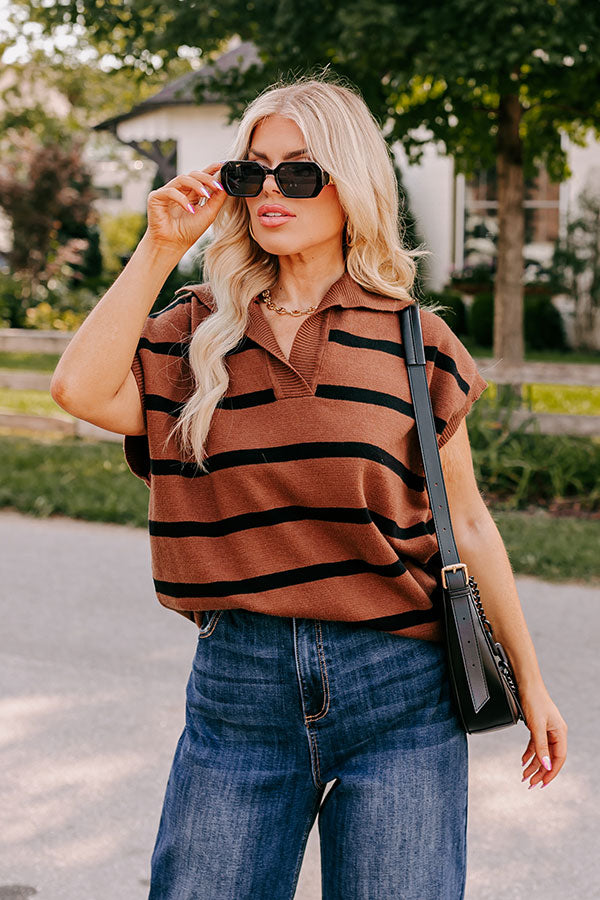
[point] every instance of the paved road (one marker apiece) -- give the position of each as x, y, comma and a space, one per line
93, 674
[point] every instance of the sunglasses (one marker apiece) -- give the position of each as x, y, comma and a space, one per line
245, 178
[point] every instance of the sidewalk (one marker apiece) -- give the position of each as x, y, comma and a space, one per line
92, 678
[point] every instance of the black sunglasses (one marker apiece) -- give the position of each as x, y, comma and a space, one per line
245, 178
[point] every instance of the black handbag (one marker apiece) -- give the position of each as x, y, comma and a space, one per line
484, 687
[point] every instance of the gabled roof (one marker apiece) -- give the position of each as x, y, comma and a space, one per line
181, 91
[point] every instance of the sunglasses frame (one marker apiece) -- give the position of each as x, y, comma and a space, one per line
325, 177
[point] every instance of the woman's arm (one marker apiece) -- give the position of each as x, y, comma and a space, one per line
481, 547
90, 380
93, 378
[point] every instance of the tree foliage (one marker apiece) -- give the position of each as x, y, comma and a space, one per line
443, 64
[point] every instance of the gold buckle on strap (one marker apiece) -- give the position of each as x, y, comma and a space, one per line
454, 567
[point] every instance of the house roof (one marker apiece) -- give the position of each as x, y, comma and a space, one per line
181, 91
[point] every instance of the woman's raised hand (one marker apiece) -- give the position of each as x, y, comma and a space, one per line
175, 217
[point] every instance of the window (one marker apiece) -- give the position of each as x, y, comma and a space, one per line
480, 212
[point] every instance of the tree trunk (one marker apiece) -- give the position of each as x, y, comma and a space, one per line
508, 293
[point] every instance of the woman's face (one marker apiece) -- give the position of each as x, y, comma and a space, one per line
315, 220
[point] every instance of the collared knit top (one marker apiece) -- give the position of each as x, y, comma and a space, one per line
315, 503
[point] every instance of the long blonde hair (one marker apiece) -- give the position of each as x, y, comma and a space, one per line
343, 136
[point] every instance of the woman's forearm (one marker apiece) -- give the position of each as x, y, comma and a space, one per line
99, 355
483, 551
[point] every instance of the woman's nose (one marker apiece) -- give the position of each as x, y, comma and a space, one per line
267, 183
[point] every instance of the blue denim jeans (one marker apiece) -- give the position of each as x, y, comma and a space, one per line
277, 707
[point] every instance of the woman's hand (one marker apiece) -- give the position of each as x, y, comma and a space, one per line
548, 741
175, 218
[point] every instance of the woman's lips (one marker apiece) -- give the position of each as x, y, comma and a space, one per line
274, 221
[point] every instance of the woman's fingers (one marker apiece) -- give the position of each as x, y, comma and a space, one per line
177, 196
195, 185
555, 744
208, 178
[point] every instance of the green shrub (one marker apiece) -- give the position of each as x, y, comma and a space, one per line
519, 466
481, 319
544, 327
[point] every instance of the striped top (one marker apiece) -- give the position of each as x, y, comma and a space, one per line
315, 504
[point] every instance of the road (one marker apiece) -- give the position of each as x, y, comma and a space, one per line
93, 674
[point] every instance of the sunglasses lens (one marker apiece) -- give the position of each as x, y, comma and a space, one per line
299, 179
242, 179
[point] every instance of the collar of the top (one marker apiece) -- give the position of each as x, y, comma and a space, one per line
344, 292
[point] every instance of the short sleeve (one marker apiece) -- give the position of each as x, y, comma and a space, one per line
454, 380
135, 446
156, 366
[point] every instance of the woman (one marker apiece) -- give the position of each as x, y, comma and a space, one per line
289, 517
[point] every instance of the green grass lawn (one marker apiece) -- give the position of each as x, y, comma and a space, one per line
32, 362
34, 403
90, 480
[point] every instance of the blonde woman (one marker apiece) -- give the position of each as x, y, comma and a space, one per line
269, 412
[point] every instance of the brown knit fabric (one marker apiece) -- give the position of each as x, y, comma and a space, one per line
315, 504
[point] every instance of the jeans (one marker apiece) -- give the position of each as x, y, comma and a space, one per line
277, 707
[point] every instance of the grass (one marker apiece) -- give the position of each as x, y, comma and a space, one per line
32, 362
34, 403
71, 477
90, 480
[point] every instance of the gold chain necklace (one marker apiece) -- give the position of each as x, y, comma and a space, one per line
265, 296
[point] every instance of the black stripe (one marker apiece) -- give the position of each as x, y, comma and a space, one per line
269, 517
287, 453
185, 298
394, 348
328, 391
245, 401
276, 580
401, 620
245, 343
167, 348
364, 395
445, 362
163, 404
241, 401
338, 336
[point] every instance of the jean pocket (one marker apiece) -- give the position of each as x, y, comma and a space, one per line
208, 621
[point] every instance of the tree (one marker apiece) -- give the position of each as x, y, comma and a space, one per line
46, 193
494, 84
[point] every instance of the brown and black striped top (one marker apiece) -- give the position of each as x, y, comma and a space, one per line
315, 504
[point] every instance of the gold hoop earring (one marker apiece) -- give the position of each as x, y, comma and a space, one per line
251, 232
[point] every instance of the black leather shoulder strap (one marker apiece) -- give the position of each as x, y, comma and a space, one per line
412, 338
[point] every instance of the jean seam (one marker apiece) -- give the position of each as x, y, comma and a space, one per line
312, 737
324, 677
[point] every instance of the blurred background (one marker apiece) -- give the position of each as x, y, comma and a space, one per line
492, 115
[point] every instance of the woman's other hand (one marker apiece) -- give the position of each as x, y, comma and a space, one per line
548, 742
175, 217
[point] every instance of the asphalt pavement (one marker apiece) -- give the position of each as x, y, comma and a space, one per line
92, 678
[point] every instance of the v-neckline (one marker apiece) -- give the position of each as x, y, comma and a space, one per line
297, 374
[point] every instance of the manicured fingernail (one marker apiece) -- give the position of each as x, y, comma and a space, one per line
191, 208
546, 762
205, 192
218, 186
524, 778
545, 783
531, 786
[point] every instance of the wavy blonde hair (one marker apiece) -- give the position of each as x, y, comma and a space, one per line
343, 136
